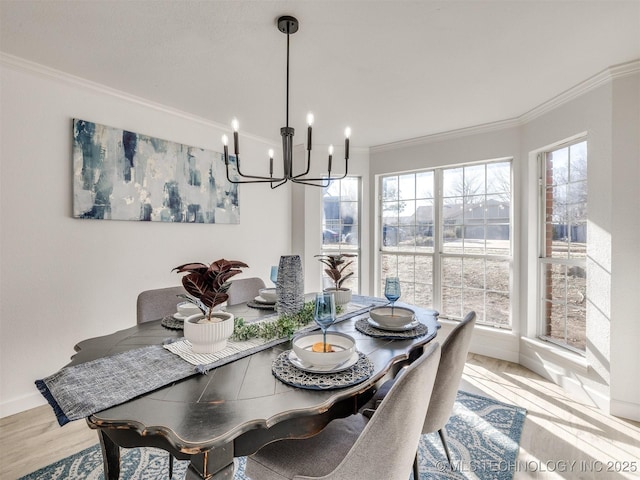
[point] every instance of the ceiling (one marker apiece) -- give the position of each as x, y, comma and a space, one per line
392, 70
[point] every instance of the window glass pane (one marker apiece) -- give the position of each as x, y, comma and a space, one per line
452, 301
474, 224
407, 186
578, 162
349, 189
390, 188
473, 300
340, 225
474, 180
452, 271
499, 179
452, 182
563, 309
424, 185
473, 273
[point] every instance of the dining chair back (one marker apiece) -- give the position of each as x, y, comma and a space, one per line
454, 355
353, 448
244, 289
158, 303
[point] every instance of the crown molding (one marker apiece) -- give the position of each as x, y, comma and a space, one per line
605, 76
449, 135
20, 64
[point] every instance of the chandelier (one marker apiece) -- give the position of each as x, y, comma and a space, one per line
289, 26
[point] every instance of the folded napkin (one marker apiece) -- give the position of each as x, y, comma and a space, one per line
77, 391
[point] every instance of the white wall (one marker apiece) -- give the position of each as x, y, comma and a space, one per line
64, 279
607, 109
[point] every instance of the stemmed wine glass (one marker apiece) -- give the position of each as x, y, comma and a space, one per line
324, 314
392, 290
274, 275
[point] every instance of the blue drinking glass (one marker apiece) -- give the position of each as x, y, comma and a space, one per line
324, 314
392, 290
274, 274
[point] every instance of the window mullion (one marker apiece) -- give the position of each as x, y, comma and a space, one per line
437, 240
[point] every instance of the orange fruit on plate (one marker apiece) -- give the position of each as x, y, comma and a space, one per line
319, 347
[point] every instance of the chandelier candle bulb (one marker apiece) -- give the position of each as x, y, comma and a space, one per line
225, 140
347, 134
330, 157
271, 162
236, 144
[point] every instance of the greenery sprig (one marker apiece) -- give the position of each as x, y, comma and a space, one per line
283, 327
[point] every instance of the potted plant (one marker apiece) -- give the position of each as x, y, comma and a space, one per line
336, 264
207, 286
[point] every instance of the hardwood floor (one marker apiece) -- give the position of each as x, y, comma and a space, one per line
561, 438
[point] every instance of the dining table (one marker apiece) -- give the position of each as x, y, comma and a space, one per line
235, 409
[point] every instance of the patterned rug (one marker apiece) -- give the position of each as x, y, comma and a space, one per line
483, 438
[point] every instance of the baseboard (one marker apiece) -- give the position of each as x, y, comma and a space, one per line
21, 404
628, 410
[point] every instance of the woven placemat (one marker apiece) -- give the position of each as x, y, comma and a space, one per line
363, 326
172, 323
286, 372
261, 306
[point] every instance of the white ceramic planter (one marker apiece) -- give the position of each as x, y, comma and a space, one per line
341, 296
208, 337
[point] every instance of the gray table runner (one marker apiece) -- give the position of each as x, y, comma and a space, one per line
78, 391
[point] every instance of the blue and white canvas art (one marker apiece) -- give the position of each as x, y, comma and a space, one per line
122, 175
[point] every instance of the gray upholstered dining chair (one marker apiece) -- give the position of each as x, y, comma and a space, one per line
158, 303
355, 448
454, 355
244, 289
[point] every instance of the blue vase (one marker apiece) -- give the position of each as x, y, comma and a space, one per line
290, 285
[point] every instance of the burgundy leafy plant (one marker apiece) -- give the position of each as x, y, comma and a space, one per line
336, 265
209, 283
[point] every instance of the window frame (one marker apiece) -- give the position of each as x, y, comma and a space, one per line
542, 261
437, 254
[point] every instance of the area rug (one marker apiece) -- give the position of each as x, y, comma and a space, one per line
483, 438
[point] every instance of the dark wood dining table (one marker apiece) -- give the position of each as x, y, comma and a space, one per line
237, 408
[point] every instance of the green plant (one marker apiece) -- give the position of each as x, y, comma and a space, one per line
336, 265
207, 285
283, 327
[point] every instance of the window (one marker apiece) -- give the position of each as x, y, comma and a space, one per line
341, 225
563, 245
451, 249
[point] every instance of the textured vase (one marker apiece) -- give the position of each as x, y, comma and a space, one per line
290, 285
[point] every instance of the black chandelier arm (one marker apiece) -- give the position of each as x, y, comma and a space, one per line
258, 179
330, 178
325, 182
261, 178
282, 182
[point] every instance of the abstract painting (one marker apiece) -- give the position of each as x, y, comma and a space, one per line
122, 175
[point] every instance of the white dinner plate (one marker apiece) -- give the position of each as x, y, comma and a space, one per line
400, 328
179, 316
259, 299
293, 358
